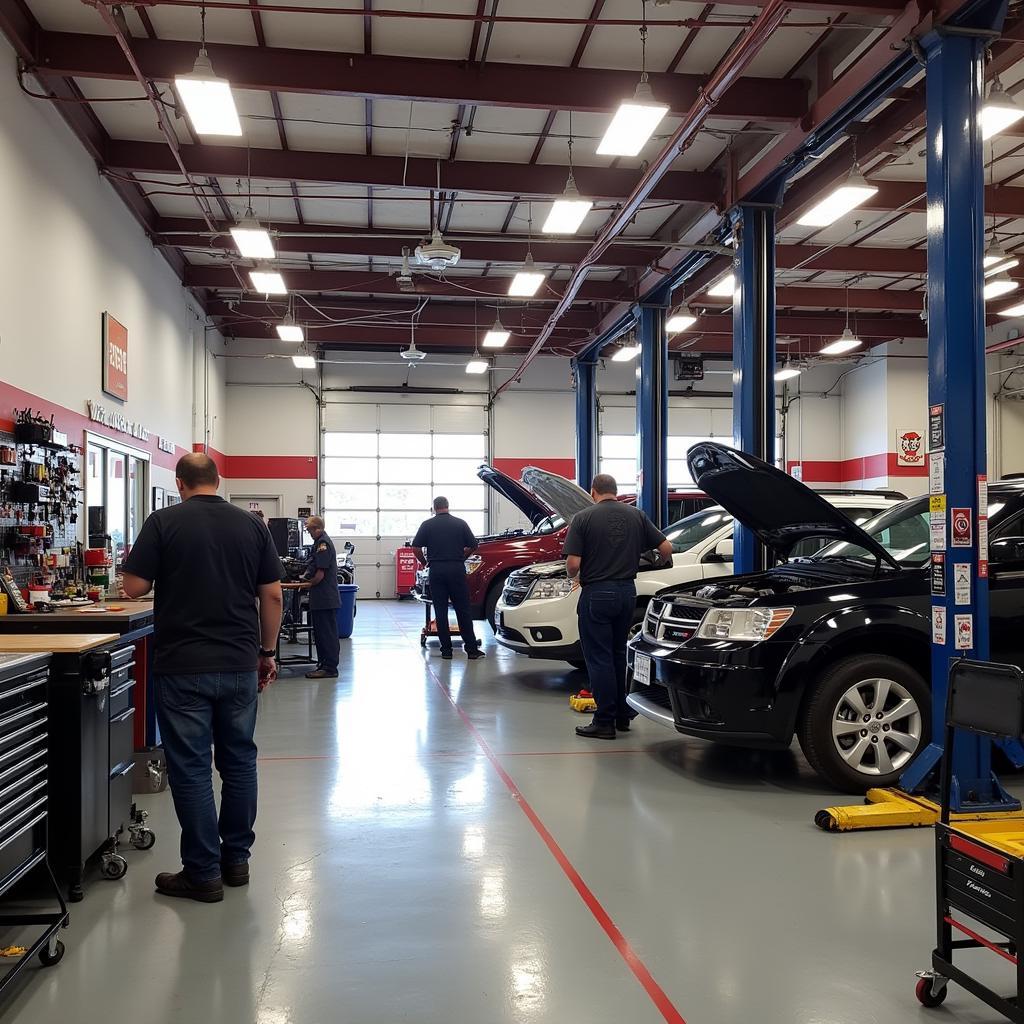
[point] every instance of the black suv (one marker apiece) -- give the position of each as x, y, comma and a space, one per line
834, 648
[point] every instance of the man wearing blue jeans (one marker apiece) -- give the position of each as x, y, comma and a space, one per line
602, 549
217, 611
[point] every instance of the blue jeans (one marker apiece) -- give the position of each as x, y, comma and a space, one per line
197, 712
605, 612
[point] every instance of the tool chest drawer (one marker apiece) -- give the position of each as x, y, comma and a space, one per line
121, 696
980, 881
122, 739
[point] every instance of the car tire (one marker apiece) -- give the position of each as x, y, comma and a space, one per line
638, 620
853, 740
491, 601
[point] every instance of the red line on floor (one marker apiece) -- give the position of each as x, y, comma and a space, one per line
656, 993
455, 753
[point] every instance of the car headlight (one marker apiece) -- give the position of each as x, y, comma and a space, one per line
473, 563
753, 624
545, 590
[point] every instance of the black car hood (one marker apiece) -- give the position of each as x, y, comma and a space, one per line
529, 504
778, 508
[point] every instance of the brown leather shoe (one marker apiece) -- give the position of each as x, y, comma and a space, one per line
235, 874
177, 883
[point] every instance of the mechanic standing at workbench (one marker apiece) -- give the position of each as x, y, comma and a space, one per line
449, 542
603, 548
324, 600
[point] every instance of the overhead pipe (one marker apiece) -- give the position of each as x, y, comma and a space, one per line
731, 67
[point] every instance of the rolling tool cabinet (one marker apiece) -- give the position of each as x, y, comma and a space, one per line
24, 812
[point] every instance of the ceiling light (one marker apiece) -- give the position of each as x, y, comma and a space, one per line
1013, 311
786, 341
679, 321
724, 286
252, 241
568, 212
477, 364
289, 330
527, 281
208, 99
853, 192
999, 111
267, 281
998, 260
846, 342
304, 362
787, 372
1001, 285
634, 122
625, 353
497, 336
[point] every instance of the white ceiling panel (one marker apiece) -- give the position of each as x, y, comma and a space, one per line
314, 31
62, 16
501, 133
424, 37
135, 120
539, 44
324, 124
429, 136
230, 26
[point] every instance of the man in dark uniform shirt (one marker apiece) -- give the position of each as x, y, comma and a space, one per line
449, 542
603, 547
324, 600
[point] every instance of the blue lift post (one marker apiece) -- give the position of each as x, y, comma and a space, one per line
585, 370
753, 354
652, 415
956, 400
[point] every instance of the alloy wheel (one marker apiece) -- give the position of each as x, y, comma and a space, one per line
877, 726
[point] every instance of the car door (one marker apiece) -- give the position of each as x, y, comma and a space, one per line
1006, 589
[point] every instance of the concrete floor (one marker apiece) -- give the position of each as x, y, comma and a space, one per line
436, 846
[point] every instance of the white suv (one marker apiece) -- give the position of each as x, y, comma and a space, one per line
536, 615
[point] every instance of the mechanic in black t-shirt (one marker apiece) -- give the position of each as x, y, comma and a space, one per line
449, 542
603, 548
217, 610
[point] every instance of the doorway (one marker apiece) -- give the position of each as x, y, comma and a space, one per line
268, 504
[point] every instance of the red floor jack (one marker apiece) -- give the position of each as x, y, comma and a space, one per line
429, 630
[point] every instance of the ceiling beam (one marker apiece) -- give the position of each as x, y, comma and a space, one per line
395, 172
873, 299
399, 336
802, 326
543, 87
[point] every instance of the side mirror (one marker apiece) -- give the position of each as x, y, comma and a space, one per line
722, 551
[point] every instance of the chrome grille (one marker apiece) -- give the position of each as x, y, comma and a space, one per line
669, 622
515, 591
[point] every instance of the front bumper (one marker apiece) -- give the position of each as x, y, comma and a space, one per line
539, 629
725, 695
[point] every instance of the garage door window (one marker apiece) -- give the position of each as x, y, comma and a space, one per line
619, 452
382, 484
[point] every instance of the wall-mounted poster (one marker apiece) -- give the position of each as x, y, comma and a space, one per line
115, 358
158, 498
909, 446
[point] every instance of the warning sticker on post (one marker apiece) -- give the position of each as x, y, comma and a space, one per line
938, 575
983, 549
982, 495
936, 473
962, 582
963, 628
963, 534
937, 527
936, 428
938, 625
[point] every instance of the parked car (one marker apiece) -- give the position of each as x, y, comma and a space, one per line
834, 648
536, 615
548, 501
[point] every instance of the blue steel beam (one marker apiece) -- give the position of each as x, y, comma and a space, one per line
586, 420
652, 415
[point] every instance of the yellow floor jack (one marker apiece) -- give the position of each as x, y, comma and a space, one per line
583, 702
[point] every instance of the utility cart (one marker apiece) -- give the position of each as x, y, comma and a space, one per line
979, 860
429, 630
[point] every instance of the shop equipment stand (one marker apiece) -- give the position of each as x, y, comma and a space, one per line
295, 625
429, 631
979, 862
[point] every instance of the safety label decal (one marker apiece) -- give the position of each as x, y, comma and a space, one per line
938, 575
936, 473
962, 582
963, 626
961, 528
938, 624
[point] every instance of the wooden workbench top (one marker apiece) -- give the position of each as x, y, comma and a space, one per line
54, 643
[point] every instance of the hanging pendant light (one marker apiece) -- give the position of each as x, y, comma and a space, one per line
846, 342
679, 320
999, 111
207, 99
999, 285
853, 192
569, 211
477, 363
527, 280
251, 239
497, 336
787, 372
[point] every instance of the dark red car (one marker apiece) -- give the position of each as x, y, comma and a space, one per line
548, 501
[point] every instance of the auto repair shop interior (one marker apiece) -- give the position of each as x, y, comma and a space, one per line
758, 261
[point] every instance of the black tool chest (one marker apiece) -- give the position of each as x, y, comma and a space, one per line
25, 811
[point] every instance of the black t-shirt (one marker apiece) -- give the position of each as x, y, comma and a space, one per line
324, 594
445, 537
206, 559
610, 538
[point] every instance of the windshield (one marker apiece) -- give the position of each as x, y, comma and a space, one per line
902, 531
689, 532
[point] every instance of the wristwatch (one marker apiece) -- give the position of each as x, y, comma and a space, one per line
267, 654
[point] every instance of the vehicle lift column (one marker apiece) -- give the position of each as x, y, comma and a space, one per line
585, 370
753, 355
652, 415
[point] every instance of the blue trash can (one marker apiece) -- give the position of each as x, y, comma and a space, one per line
347, 612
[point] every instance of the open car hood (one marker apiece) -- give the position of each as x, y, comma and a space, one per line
565, 497
778, 508
527, 503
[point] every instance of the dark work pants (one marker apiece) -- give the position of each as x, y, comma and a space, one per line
605, 612
325, 634
448, 583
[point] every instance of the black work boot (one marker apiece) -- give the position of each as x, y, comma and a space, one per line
235, 874
596, 731
177, 883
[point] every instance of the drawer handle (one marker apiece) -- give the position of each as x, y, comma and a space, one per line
121, 689
24, 828
21, 782
21, 765
27, 745
19, 715
27, 812
7, 808
32, 684
124, 716
115, 669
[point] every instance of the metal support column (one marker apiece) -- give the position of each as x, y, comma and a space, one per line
585, 371
753, 353
652, 415
956, 400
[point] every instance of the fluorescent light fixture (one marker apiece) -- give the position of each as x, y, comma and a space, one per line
724, 286
1013, 311
679, 321
527, 281
304, 362
497, 336
477, 364
846, 342
997, 260
853, 192
626, 353
208, 100
1001, 285
787, 372
999, 111
252, 241
568, 212
634, 123
289, 330
786, 341
267, 281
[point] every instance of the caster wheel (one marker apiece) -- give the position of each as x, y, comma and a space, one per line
115, 866
926, 995
48, 959
144, 839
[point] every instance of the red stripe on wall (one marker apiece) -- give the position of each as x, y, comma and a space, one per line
864, 467
513, 467
262, 467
